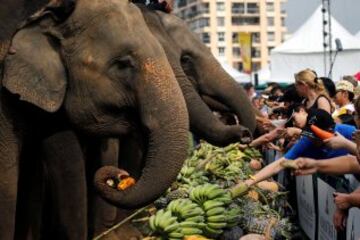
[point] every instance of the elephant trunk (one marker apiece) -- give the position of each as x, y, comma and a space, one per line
164, 118
221, 86
203, 122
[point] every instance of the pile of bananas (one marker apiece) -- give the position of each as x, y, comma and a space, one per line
199, 203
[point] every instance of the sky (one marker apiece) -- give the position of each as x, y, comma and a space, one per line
347, 12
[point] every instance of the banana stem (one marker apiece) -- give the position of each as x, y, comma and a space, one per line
144, 219
120, 223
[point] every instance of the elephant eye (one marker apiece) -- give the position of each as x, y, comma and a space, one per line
185, 59
124, 63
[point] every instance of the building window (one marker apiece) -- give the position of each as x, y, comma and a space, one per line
252, 8
271, 36
270, 21
255, 37
255, 52
235, 37
238, 8
220, 21
221, 51
238, 21
220, 6
204, 22
270, 6
193, 12
181, 3
282, 21
221, 36
206, 37
204, 8
236, 52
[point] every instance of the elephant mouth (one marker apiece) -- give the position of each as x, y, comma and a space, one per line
222, 108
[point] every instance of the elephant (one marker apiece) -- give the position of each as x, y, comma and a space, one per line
89, 71
14, 12
202, 121
202, 80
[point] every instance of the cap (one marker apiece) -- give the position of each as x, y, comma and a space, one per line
320, 118
343, 85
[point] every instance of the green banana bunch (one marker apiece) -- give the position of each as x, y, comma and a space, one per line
184, 209
202, 193
233, 216
165, 225
190, 216
216, 215
252, 153
186, 171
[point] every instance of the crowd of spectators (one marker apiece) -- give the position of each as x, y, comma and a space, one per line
289, 118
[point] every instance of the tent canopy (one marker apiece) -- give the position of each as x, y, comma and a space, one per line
309, 39
358, 34
305, 50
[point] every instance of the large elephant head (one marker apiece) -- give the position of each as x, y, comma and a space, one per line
205, 73
196, 82
102, 65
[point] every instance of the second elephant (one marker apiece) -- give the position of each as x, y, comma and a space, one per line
202, 80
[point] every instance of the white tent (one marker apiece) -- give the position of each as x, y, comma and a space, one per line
235, 74
305, 50
358, 35
264, 74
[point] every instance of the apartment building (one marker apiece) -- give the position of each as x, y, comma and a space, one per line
218, 23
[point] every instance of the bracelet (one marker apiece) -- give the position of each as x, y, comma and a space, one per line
252, 177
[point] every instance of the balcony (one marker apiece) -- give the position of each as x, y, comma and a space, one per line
245, 21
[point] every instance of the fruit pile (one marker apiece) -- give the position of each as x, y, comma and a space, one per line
207, 200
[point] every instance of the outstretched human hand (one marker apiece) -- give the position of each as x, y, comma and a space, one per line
336, 142
306, 166
342, 200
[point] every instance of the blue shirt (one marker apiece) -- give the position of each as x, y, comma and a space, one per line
304, 147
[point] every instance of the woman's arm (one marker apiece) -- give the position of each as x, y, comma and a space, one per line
267, 172
337, 166
268, 137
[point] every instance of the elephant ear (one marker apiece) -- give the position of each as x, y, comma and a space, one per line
36, 72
